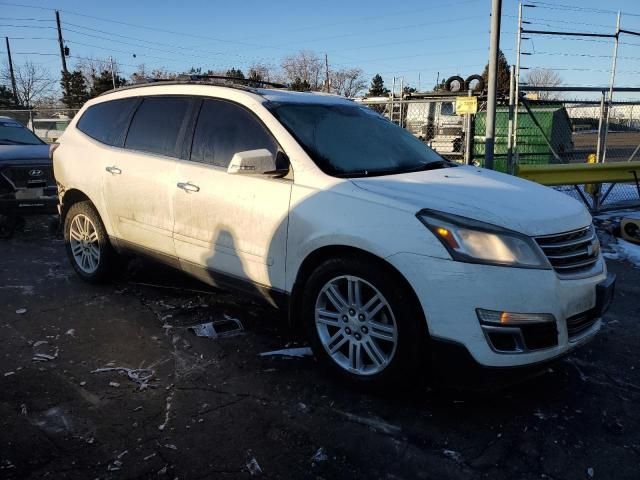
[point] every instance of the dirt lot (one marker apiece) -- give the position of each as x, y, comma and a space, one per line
214, 408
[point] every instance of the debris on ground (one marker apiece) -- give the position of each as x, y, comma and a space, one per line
21, 311
252, 464
319, 456
114, 384
71, 332
44, 354
374, 423
452, 454
225, 327
289, 352
167, 412
140, 376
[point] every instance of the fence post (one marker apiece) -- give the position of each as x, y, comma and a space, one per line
600, 129
611, 86
469, 136
33, 128
510, 132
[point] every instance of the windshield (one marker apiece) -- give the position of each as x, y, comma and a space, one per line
351, 140
14, 133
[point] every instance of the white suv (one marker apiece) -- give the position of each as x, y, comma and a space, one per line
387, 253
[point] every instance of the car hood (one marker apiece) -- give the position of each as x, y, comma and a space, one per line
484, 195
11, 153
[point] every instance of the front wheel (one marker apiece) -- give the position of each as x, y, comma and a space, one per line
362, 322
87, 243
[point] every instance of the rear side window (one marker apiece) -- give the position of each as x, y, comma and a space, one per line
224, 129
157, 124
107, 122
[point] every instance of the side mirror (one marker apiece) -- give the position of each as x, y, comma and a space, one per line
252, 162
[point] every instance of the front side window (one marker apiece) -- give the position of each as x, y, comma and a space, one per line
224, 129
157, 124
107, 121
350, 140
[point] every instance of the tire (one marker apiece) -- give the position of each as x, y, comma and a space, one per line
7, 226
87, 243
471, 78
449, 82
390, 339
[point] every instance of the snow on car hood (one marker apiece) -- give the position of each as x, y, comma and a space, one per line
484, 195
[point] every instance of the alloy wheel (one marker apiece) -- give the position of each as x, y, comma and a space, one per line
84, 242
356, 325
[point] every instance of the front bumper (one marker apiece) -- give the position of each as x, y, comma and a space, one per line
26, 202
450, 292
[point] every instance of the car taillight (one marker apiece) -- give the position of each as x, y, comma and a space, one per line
52, 148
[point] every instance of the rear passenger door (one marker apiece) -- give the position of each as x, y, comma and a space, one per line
230, 228
139, 180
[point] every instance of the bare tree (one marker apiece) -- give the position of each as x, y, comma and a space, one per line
305, 66
265, 72
544, 77
347, 82
93, 67
32, 82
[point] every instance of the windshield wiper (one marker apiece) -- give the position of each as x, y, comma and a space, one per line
396, 171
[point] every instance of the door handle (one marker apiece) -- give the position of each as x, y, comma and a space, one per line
188, 187
113, 170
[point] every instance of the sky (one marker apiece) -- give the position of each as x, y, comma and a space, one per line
416, 40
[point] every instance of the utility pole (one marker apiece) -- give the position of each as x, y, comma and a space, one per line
326, 69
13, 76
113, 74
492, 76
61, 43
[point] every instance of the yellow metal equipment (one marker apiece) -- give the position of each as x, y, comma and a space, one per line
580, 173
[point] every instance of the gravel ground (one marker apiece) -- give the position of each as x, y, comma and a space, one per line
196, 407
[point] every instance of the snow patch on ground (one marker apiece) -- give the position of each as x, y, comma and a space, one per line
623, 250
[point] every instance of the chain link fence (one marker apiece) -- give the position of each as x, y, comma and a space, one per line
46, 123
545, 132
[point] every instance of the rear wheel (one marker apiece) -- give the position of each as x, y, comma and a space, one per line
87, 243
362, 322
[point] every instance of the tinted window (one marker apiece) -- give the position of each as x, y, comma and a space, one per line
225, 129
107, 122
156, 125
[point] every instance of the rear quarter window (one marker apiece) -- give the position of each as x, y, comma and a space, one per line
157, 125
107, 122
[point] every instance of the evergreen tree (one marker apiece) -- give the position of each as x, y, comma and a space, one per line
503, 74
104, 82
6, 97
233, 73
377, 88
74, 89
299, 85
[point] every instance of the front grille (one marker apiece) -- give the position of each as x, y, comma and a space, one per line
22, 176
571, 252
581, 322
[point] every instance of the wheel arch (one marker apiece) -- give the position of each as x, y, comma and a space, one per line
71, 197
316, 257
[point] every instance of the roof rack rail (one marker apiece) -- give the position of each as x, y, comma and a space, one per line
250, 82
221, 80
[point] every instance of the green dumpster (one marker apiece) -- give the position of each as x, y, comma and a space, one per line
532, 147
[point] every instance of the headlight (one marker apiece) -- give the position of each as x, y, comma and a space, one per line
469, 240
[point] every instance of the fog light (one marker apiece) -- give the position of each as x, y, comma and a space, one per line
493, 317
